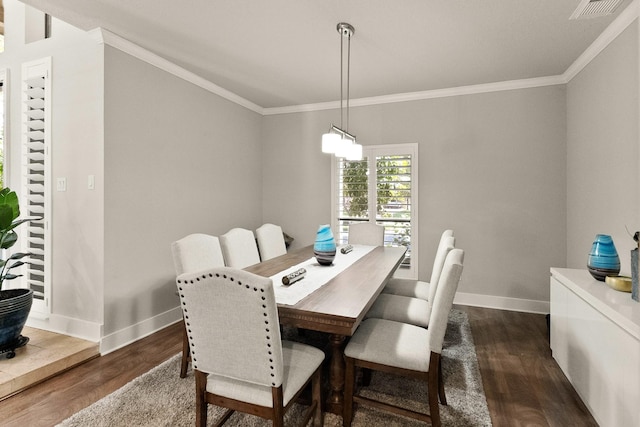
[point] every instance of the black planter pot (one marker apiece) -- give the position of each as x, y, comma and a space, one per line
15, 305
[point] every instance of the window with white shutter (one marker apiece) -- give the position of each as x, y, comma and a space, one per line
381, 188
36, 181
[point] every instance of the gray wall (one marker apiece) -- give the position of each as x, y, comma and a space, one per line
177, 160
492, 167
603, 186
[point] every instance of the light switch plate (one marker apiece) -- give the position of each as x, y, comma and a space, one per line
61, 184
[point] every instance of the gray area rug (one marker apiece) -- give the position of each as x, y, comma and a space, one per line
161, 398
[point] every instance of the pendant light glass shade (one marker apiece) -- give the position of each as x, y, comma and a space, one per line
330, 142
343, 147
354, 152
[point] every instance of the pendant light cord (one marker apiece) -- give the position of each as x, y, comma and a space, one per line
341, 80
345, 33
339, 141
348, 75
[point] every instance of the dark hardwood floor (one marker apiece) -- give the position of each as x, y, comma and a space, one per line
523, 384
50, 402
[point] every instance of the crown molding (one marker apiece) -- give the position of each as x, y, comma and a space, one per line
417, 96
621, 23
105, 36
608, 35
96, 35
100, 35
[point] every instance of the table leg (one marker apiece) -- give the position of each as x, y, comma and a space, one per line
336, 375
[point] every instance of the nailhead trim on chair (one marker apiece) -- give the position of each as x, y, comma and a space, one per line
267, 328
186, 321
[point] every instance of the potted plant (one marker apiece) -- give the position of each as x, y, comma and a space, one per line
15, 304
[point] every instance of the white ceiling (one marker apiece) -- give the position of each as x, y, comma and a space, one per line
278, 53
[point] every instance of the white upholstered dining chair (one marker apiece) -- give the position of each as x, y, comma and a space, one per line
270, 241
366, 233
193, 253
403, 349
196, 252
417, 288
416, 311
239, 360
239, 248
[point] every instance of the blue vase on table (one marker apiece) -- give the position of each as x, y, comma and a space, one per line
603, 258
324, 247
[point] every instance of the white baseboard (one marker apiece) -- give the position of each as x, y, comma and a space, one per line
83, 329
93, 331
140, 330
502, 303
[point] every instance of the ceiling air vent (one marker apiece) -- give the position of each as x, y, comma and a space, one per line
594, 8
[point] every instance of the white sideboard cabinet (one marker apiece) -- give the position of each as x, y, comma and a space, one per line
595, 338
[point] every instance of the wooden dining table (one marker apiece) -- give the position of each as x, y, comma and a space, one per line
339, 306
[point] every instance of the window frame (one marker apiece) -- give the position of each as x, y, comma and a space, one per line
374, 151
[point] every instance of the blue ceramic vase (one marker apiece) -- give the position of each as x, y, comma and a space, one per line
324, 247
603, 258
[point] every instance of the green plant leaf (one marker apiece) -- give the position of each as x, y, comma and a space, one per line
15, 264
6, 216
9, 213
19, 255
10, 198
10, 239
22, 221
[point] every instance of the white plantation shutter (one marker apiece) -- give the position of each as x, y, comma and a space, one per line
352, 195
35, 197
394, 181
381, 188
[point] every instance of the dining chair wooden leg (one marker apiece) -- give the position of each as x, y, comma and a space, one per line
434, 409
366, 377
443, 397
201, 399
316, 393
186, 354
349, 385
278, 409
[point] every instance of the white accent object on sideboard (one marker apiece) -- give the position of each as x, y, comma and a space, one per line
595, 338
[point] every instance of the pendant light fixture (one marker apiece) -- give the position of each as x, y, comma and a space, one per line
338, 140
